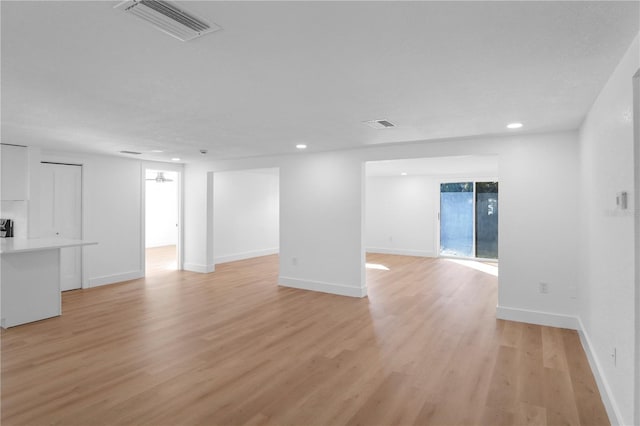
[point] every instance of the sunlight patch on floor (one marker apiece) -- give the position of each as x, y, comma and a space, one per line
478, 266
377, 266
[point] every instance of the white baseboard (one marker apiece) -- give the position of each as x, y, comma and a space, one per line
339, 289
537, 317
603, 386
246, 255
116, 278
401, 252
203, 269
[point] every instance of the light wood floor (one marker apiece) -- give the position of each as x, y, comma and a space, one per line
180, 348
158, 260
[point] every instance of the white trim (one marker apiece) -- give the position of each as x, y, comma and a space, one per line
84, 203
143, 218
332, 288
245, 255
537, 317
115, 278
615, 418
202, 269
401, 252
636, 196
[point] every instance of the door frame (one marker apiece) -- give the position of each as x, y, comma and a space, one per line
437, 203
169, 167
636, 196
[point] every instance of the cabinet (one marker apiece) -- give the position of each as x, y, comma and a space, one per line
14, 172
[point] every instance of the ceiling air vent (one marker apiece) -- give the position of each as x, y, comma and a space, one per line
379, 124
168, 18
130, 152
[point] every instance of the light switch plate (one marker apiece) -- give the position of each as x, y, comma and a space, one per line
621, 200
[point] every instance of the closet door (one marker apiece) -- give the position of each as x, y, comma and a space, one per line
61, 216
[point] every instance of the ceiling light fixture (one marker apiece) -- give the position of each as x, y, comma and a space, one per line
403, 174
301, 146
175, 159
514, 125
160, 178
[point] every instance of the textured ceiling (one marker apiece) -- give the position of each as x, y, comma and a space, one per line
84, 76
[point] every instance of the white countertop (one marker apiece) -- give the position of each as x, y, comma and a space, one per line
21, 245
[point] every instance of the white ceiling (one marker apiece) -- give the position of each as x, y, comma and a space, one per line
468, 166
84, 76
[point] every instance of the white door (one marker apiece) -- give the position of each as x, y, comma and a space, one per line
61, 216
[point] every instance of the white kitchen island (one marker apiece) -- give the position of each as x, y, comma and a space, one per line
30, 278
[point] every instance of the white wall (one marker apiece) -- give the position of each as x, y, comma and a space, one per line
111, 214
321, 224
321, 201
401, 215
538, 232
198, 219
245, 214
607, 252
161, 211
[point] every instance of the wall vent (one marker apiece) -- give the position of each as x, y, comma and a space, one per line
379, 124
169, 18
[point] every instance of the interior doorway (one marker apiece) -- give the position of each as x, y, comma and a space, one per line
162, 216
246, 214
409, 201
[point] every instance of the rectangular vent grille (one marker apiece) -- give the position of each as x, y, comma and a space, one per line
168, 18
379, 124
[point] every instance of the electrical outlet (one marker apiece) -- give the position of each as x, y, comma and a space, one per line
390, 239
294, 261
543, 288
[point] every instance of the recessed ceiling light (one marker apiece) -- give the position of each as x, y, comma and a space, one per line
175, 159
157, 150
514, 125
301, 146
403, 174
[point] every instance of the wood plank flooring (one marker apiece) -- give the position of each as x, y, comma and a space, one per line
232, 348
159, 260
